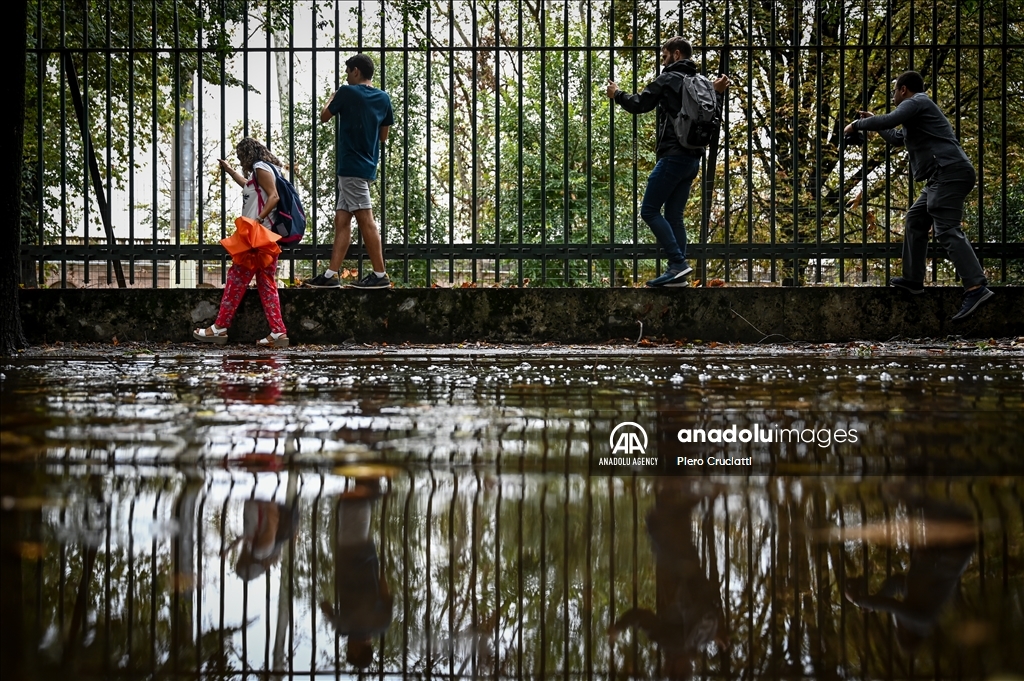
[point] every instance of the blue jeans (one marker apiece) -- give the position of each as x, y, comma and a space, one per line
669, 186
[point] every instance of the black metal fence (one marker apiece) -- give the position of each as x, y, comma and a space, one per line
506, 164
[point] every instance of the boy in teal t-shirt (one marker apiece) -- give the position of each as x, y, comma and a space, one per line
364, 118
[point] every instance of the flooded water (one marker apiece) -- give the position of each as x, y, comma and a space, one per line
448, 514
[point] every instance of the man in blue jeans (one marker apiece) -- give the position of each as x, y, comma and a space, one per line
937, 157
668, 187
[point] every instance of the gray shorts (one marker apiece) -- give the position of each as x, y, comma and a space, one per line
353, 194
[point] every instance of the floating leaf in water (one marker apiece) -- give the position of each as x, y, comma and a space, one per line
930, 532
366, 470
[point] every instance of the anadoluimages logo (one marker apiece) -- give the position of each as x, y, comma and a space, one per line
631, 440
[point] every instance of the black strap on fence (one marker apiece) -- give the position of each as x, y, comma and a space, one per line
94, 167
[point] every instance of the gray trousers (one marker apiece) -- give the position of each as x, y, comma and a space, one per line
941, 206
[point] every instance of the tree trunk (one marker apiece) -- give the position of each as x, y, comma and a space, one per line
183, 173
284, 91
11, 151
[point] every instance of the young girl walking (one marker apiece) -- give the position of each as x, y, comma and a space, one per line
259, 200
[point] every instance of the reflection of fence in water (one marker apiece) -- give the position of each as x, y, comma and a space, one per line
508, 575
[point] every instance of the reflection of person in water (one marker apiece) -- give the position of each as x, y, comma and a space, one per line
266, 527
937, 559
689, 614
252, 382
362, 600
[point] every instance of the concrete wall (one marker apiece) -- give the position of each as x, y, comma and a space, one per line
815, 314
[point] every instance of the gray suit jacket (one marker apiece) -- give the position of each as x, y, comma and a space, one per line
926, 134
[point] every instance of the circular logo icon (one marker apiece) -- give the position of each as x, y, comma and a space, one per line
628, 438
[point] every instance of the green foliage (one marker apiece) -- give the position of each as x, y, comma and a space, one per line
1003, 222
132, 94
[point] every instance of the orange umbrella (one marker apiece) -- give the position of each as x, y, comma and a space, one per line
252, 246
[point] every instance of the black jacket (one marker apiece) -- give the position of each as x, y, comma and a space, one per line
926, 133
666, 93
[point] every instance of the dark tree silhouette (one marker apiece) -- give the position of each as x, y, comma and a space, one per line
11, 336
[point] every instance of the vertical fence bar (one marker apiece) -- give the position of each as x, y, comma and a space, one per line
497, 146
451, 139
888, 151
383, 221
865, 106
658, 41
428, 204
748, 40
155, 141
452, 559
588, 87
520, 186
41, 59
87, 146
611, 572
197, 94
313, 207
131, 57
772, 75
130, 600
63, 146
543, 9
221, 153
794, 147
107, 125
268, 57
611, 143
429, 553
706, 164
476, 54
1004, 102
499, 496
843, 116
819, 129
566, 209
724, 67
291, 116
981, 136
177, 187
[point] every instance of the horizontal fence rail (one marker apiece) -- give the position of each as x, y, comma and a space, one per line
507, 164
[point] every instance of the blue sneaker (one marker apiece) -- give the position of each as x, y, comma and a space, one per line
673, 277
972, 301
320, 281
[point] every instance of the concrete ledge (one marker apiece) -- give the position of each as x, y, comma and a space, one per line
814, 314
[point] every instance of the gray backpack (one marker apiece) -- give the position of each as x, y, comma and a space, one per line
697, 122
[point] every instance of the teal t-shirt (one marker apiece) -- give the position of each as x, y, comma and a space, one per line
360, 111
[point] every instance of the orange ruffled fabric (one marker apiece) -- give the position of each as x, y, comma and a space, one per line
252, 246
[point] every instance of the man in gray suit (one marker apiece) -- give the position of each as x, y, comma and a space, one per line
935, 156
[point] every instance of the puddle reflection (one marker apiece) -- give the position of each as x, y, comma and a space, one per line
942, 542
473, 573
420, 517
361, 607
689, 614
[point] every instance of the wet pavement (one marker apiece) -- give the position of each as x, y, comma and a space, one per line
414, 511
